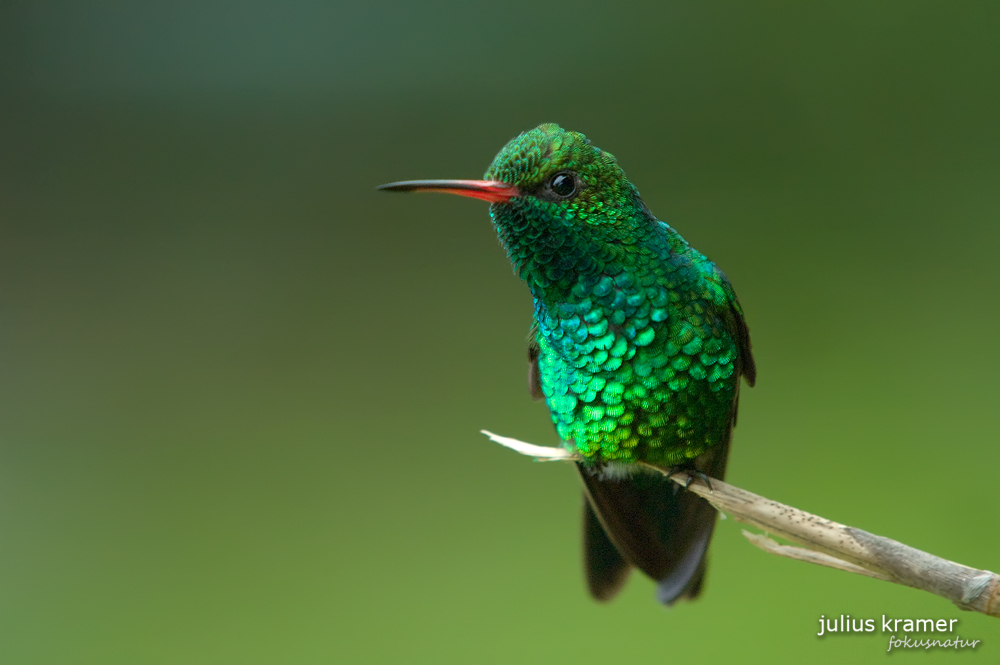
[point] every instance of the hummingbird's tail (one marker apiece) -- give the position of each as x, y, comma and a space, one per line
642, 520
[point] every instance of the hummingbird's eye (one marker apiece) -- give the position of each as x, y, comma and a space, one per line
563, 185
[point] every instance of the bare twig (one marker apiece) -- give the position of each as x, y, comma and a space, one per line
827, 543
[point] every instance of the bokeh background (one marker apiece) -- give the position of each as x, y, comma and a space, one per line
240, 391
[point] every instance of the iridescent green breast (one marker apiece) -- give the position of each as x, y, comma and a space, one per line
637, 361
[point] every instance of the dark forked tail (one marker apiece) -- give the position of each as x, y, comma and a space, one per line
642, 520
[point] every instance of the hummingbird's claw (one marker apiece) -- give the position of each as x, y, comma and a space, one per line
703, 478
691, 475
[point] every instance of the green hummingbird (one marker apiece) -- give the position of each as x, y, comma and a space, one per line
637, 347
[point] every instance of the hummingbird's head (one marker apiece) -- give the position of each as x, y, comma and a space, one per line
561, 206
574, 211
559, 174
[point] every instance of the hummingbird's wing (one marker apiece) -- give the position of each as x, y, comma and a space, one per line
736, 324
534, 377
605, 568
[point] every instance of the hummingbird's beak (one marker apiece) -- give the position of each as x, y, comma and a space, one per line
493, 191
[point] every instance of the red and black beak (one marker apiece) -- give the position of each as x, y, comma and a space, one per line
493, 191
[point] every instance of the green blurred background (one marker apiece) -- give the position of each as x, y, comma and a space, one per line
240, 390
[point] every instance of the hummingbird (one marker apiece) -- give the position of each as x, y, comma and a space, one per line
638, 345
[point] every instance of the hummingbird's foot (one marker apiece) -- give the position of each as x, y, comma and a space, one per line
691, 475
669, 472
702, 477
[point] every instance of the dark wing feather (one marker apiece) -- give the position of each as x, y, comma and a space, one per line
606, 569
534, 378
736, 324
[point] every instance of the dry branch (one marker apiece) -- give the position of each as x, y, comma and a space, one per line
827, 543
